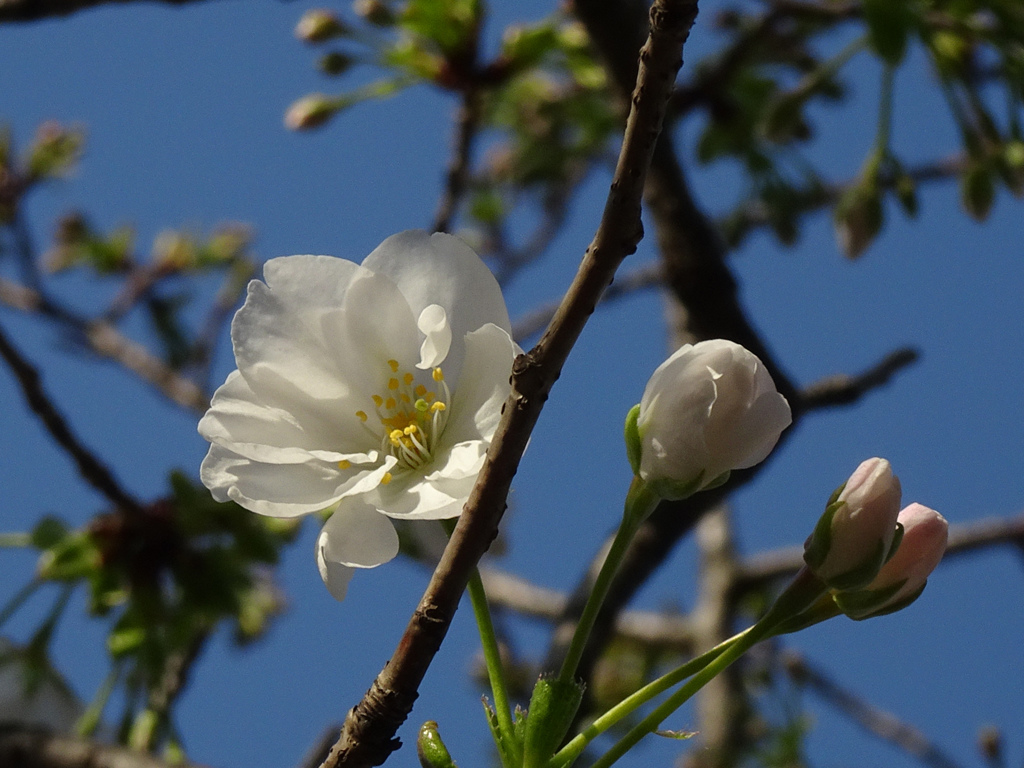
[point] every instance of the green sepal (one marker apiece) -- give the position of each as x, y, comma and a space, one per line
897, 537
633, 438
820, 541
862, 574
430, 749
553, 707
509, 745
674, 490
868, 603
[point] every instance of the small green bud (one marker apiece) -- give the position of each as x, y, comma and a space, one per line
430, 749
335, 63
375, 12
318, 25
311, 111
553, 706
977, 191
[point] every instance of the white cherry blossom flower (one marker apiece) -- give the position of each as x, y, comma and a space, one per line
373, 391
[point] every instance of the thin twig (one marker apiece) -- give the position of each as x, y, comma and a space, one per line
457, 177
367, 737
647, 276
30, 747
105, 340
876, 721
844, 389
92, 470
34, 10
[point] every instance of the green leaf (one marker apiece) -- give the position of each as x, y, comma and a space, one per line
48, 532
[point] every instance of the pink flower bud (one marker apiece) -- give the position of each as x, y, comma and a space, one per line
902, 579
709, 409
854, 536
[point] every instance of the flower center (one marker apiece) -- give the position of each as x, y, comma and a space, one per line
412, 417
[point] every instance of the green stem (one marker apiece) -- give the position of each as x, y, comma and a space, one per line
737, 647
640, 501
492, 653
90, 719
627, 706
489, 643
19, 599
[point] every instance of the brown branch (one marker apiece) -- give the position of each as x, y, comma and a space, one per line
34, 10
367, 737
640, 278
92, 470
874, 720
29, 747
844, 389
105, 340
457, 176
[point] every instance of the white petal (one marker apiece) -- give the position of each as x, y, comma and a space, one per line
355, 536
483, 386
410, 495
433, 323
284, 490
335, 575
462, 461
441, 269
358, 536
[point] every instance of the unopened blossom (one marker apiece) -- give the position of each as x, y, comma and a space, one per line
853, 538
371, 391
712, 407
903, 578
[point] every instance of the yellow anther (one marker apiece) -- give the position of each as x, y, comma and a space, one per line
412, 429
344, 464
396, 435
420, 390
394, 365
390, 403
438, 406
408, 379
386, 479
378, 400
362, 415
404, 398
392, 383
438, 376
429, 397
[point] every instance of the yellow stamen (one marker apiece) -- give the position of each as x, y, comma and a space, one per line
362, 415
411, 429
386, 479
390, 403
344, 464
392, 383
420, 390
438, 406
408, 379
394, 365
378, 400
395, 436
438, 376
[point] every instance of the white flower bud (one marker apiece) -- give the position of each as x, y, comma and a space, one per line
855, 535
707, 410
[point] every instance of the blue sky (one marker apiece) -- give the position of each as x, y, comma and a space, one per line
183, 109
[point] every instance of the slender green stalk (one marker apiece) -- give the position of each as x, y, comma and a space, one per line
627, 706
19, 599
15, 540
640, 501
492, 654
489, 643
90, 719
740, 645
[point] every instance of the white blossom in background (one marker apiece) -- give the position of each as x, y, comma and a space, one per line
853, 538
373, 391
707, 410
